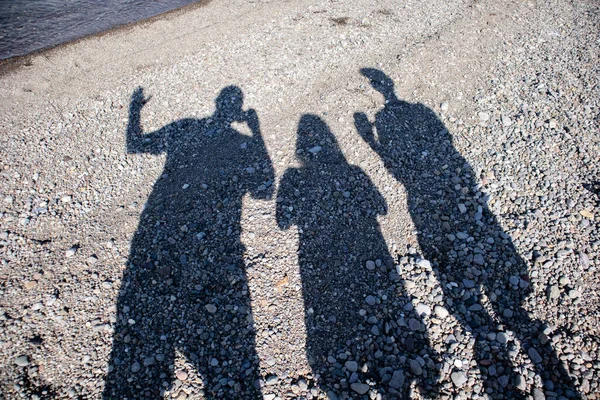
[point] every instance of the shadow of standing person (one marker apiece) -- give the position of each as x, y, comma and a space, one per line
185, 288
354, 343
463, 240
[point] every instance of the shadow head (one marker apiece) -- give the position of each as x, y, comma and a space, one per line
229, 104
379, 80
315, 141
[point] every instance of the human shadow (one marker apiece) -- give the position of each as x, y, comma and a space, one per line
185, 288
470, 252
355, 342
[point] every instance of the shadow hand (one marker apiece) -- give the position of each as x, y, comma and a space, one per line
251, 119
134, 128
365, 128
137, 99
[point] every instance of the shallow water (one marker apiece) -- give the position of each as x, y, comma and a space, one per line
30, 25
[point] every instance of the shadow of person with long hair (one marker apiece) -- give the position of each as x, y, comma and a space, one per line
354, 343
471, 254
185, 287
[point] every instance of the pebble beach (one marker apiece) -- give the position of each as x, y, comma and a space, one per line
307, 200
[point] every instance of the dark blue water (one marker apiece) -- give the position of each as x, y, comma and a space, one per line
30, 25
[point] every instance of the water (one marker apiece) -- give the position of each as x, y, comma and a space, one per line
30, 25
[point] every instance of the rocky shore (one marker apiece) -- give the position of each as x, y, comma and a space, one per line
317, 199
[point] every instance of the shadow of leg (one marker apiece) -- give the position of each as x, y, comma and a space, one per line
141, 364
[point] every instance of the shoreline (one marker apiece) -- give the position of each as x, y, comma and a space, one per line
10, 64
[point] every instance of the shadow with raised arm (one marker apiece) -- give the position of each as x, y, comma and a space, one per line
484, 279
185, 290
357, 339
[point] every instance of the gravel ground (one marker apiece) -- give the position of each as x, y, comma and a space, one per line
317, 199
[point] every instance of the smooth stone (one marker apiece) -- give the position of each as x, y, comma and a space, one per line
22, 361
459, 378
553, 292
564, 280
584, 260
71, 252
534, 355
331, 395
360, 388
181, 375
502, 337
302, 385
397, 380
351, 366
136, 367
271, 361
538, 394
211, 308
409, 344
415, 367
523, 284
441, 312
370, 265
423, 309
503, 380
315, 149
29, 285
468, 283
414, 325
371, 300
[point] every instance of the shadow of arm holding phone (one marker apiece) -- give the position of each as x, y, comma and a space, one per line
462, 238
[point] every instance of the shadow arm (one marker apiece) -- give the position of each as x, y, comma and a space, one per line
364, 127
282, 213
137, 140
253, 124
262, 190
